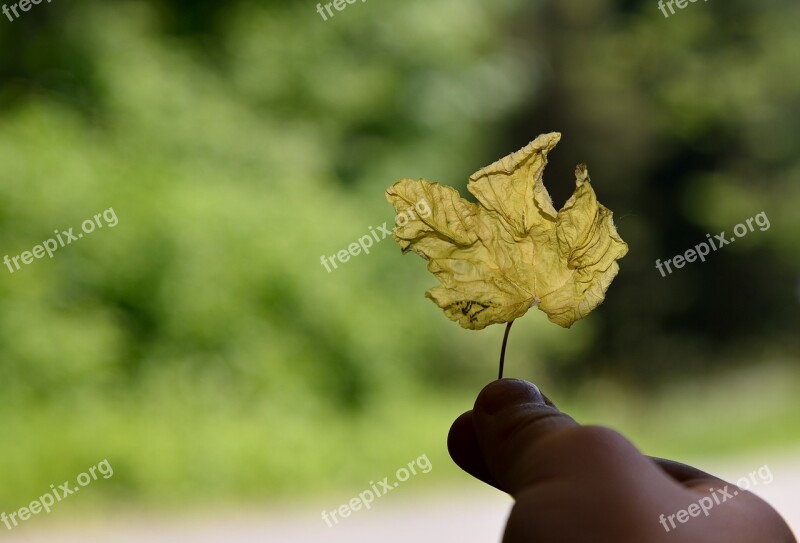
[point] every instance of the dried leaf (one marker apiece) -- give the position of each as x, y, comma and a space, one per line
497, 259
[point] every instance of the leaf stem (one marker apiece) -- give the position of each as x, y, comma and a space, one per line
503, 350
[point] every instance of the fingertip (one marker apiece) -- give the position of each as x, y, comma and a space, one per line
505, 393
464, 449
459, 439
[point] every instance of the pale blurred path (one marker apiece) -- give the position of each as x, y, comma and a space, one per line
474, 517
463, 518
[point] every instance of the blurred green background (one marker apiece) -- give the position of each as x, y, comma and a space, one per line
201, 347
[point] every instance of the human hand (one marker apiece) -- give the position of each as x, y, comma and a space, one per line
574, 483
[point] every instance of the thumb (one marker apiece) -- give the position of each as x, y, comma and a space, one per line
524, 440
514, 423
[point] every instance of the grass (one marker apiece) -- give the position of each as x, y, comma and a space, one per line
173, 455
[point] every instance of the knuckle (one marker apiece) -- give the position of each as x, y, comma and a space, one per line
601, 441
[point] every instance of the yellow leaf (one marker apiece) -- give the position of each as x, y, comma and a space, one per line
497, 259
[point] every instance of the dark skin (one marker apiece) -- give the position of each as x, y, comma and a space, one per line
574, 483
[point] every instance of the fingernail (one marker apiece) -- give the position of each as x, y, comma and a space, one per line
507, 393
